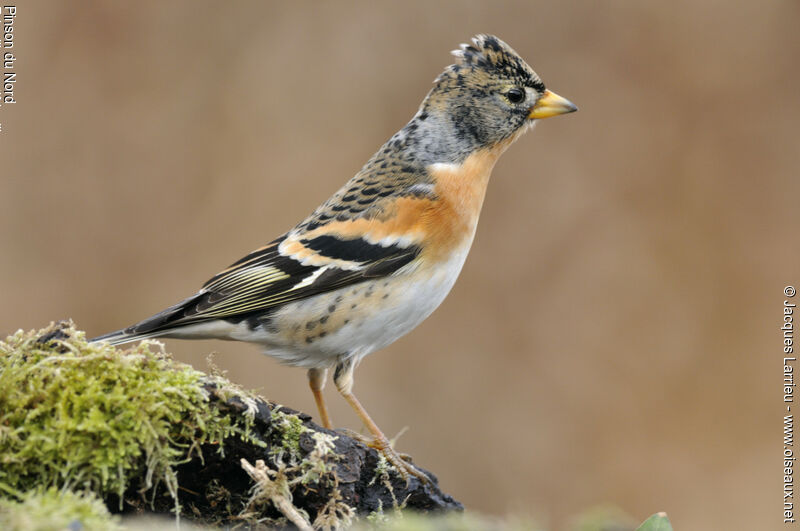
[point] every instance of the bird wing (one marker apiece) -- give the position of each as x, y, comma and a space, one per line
266, 278
295, 266
356, 235
365, 231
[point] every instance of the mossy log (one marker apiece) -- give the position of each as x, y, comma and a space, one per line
352, 479
147, 434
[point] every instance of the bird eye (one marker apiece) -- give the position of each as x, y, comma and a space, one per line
515, 95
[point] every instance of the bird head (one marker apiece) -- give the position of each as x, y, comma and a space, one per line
491, 94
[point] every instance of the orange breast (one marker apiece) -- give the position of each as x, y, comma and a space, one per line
451, 221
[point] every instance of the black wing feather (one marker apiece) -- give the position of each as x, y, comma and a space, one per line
265, 279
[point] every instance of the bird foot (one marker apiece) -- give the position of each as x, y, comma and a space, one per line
401, 462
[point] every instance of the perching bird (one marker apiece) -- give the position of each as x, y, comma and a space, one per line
374, 260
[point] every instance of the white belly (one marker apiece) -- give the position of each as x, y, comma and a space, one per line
350, 322
365, 317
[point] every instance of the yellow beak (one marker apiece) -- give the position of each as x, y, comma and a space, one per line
551, 104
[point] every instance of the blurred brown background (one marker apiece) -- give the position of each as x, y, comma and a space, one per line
613, 337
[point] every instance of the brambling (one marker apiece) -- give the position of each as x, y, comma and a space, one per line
378, 257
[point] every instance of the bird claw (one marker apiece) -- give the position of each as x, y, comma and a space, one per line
401, 462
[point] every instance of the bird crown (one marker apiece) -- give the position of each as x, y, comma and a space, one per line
495, 57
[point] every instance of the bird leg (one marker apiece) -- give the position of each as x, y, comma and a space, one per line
316, 381
343, 378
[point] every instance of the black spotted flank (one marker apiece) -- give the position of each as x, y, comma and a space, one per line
356, 250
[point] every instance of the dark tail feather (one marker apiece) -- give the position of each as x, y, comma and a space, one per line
157, 325
121, 336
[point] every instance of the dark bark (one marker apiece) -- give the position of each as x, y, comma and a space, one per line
216, 489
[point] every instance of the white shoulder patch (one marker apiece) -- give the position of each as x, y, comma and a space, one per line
443, 166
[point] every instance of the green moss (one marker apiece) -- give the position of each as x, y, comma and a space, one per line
291, 428
83, 416
377, 517
52, 510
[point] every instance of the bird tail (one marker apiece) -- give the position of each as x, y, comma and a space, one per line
126, 335
159, 324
